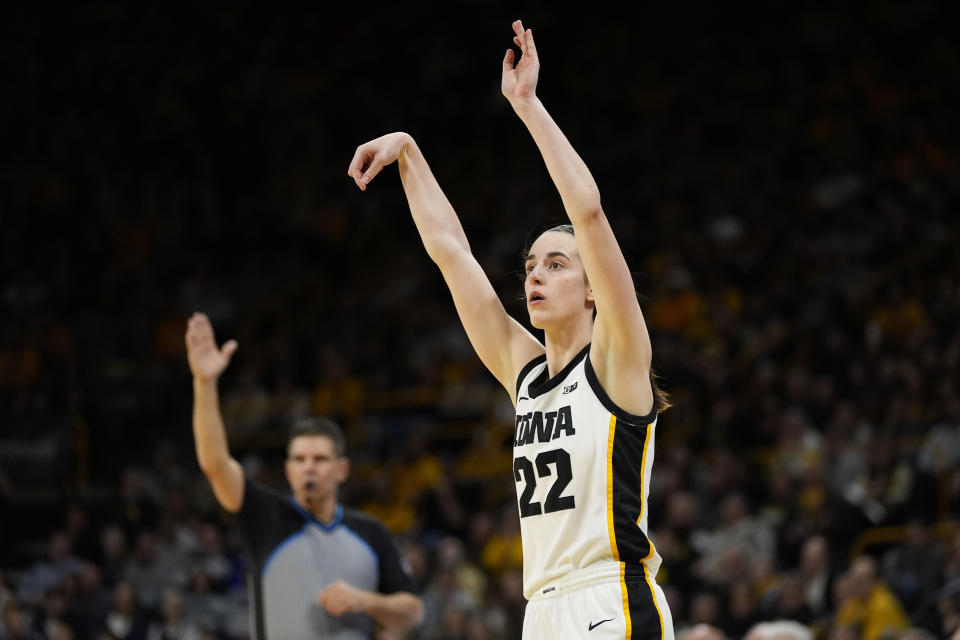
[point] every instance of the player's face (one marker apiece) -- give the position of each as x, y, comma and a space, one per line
555, 286
314, 470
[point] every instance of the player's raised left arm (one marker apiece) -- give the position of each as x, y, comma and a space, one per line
621, 352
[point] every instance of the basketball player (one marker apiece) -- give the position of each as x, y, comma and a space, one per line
317, 570
586, 405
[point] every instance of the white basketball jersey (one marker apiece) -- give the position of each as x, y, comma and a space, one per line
582, 468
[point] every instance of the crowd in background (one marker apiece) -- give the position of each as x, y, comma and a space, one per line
785, 188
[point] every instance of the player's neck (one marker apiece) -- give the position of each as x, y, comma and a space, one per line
562, 345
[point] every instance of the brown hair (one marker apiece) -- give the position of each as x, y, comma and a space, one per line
319, 426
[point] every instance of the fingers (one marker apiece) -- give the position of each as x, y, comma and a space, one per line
518, 38
366, 164
523, 38
531, 49
376, 165
357, 166
198, 329
229, 348
508, 61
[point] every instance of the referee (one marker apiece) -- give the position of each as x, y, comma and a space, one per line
317, 570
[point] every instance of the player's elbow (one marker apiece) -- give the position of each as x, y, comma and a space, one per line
226, 480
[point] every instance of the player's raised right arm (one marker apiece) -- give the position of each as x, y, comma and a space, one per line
207, 362
501, 342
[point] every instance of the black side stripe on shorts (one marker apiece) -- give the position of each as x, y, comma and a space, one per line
646, 622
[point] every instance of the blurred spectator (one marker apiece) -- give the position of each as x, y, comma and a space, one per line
779, 630
868, 604
15, 626
50, 572
739, 543
703, 632
913, 570
124, 620
172, 625
113, 554
916, 634
138, 508
209, 556
742, 610
52, 612
81, 531
816, 575
502, 552
704, 609
152, 570
90, 604
786, 602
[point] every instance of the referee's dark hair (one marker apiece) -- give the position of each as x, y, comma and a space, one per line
319, 426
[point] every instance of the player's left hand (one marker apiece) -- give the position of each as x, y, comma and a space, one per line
371, 157
519, 83
340, 598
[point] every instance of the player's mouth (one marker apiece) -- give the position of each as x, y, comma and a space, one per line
535, 298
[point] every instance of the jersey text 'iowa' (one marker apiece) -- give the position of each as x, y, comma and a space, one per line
543, 427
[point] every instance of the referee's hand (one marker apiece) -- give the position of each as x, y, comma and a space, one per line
340, 598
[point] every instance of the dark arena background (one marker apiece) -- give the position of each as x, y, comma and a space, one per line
783, 178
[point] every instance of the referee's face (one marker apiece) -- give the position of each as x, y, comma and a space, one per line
314, 470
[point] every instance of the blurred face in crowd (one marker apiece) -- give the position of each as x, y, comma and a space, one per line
555, 285
124, 598
58, 547
863, 575
13, 620
113, 543
813, 556
705, 632
172, 607
314, 469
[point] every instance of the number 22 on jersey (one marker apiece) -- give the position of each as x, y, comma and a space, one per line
523, 471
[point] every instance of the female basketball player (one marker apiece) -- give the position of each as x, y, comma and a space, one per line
586, 405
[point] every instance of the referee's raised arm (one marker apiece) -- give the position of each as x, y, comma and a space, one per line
207, 362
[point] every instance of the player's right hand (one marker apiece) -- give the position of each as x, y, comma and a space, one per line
371, 157
207, 362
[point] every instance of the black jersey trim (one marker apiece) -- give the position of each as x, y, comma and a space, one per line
622, 415
527, 368
540, 385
